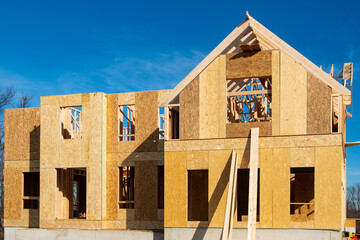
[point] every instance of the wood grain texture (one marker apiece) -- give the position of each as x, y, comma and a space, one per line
189, 111
243, 129
248, 64
318, 106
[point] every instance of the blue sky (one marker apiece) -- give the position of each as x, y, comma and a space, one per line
63, 47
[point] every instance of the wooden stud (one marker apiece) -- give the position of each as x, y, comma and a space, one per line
253, 184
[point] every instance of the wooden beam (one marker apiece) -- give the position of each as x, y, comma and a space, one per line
253, 184
245, 93
229, 212
263, 33
223, 46
350, 144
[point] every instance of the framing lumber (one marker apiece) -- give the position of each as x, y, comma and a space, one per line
230, 200
254, 147
223, 46
263, 33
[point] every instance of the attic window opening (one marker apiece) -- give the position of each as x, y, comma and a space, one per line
71, 122
249, 100
126, 121
161, 123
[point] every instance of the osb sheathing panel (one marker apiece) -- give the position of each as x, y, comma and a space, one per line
275, 188
147, 122
12, 193
22, 134
189, 112
175, 179
47, 191
318, 106
146, 190
302, 157
71, 100
293, 97
128, 159
197, 160
275, 90
243, 129
328, 199
112, 189
248, 64
213, 99
219, 169
94, 189
69, 223
264, 142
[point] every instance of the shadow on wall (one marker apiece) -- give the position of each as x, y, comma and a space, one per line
146, 189
34, 166
219, 191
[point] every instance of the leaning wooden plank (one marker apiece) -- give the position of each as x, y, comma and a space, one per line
233, 197
225, 232
254, 143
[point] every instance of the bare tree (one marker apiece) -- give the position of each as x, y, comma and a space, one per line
25, 100
353, 201
6, 97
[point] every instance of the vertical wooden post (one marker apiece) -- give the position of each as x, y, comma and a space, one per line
254, 147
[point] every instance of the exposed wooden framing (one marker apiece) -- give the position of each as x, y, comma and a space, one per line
230, 200
127, 132
248, 93
253, 184
220, 49
166, 129
263, 33
350, 144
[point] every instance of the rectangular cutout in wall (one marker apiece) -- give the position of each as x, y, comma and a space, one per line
161, 187
249, 100
198, 191
71, 122
243, 195
174, 122
31, 191
302, 199
126, 123
161, 123
126, 187
71, 193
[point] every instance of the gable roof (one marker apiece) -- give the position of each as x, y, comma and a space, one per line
249, 32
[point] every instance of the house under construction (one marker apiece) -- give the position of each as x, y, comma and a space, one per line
250, 143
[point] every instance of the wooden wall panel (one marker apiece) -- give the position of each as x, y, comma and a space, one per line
248, 64
146, 123
243, 129
213, 103
328, 199
13, 193
47, 194
219, 169
189, 111
22, 134
275, 188
146, 175
175, 214
293, 97
318, 106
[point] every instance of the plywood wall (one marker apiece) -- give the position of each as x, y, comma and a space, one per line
189, 111
276, 156
318, 106
22, 154
213, 99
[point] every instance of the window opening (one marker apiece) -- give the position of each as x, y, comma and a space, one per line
71, 193
249, 100
127, 180
71, 118
161, 123
126, 121
302, 194
31, 192
161, 187
243, 195
198, 195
